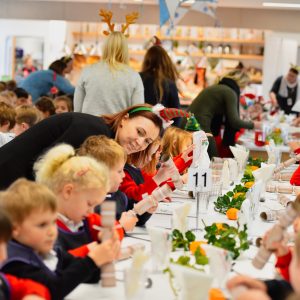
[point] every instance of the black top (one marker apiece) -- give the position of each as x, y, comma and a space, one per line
170, 93
283, 101
70, 271
4, 288
18, 156
278, 289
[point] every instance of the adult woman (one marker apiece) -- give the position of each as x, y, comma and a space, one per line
218, 105
133, 129
110, 85
159, 76
40, 83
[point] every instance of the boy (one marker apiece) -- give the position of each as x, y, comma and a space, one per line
11, 287
114, 157
32, 209
26, 117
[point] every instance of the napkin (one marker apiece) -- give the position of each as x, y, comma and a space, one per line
225, 175
241, 155
264, 173
135, 275
220, 261
194, 284
233, 168
161, 244
179, 217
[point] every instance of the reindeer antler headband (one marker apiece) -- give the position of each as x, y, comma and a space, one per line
107, 16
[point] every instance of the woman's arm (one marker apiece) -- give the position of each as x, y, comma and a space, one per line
79, 94
64, 85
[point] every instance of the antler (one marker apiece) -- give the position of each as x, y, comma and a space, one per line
130, 19
106, 17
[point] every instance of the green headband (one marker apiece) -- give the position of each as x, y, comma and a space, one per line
143, 108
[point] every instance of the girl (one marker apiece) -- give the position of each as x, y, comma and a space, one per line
80, 184
62, 104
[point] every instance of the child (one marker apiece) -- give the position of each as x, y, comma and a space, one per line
45, 106
275, 289
32, 209
26, 117
114, 157
80, 183
63, 104
23, 98
12, 287
176, 141
7, 117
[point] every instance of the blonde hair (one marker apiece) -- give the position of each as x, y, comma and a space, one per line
103, 149
60, 166
115, 50
173, 140
9, 97
239, 76
150, 167
23, 197
27, 114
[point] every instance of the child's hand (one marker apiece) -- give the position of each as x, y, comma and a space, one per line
128, 221
92, 244
105, 252
185, 177
296, 225
280, 248
187, 154
253, 295
164, 173
153, 209
246, 281
33, 297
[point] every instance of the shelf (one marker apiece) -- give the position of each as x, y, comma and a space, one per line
175, 38
213, 55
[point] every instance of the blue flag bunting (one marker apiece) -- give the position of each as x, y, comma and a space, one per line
164, 15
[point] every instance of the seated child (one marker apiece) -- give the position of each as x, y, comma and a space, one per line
176, 141
271, 289
7, 117
113, 155
80, 184
23, 98
32, 209
11, 287
46, 106
63, 104
26, 117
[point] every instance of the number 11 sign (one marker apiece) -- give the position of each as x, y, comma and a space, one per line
199, 180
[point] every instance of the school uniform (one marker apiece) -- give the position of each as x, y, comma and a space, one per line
75, 237
13, 288
60, 272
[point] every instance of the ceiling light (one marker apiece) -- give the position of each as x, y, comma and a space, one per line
282, 5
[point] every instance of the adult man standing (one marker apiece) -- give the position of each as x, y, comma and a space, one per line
284, 91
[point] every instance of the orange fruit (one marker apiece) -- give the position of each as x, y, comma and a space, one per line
216, 294
253, 168
249, 184
220, 226
238, 194
277, 130
197, 244
232, 213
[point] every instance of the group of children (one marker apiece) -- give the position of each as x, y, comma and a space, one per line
55, 239
17, 112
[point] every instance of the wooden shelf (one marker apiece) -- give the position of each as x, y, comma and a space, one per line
175, 38
213, 55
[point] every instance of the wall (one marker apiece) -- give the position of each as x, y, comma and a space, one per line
278, 20
51, 32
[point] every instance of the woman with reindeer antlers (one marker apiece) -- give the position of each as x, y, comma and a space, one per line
110, 85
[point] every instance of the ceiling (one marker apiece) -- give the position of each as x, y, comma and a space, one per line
257, 4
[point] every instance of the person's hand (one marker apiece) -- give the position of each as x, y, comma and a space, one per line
33, 297
164, 173
92, 245
105, 252
296, 122
294, 145
185, 178
257, 125
187, 154
296, 225
279, 248
248, 282
128, 220
253, 295
153, 209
